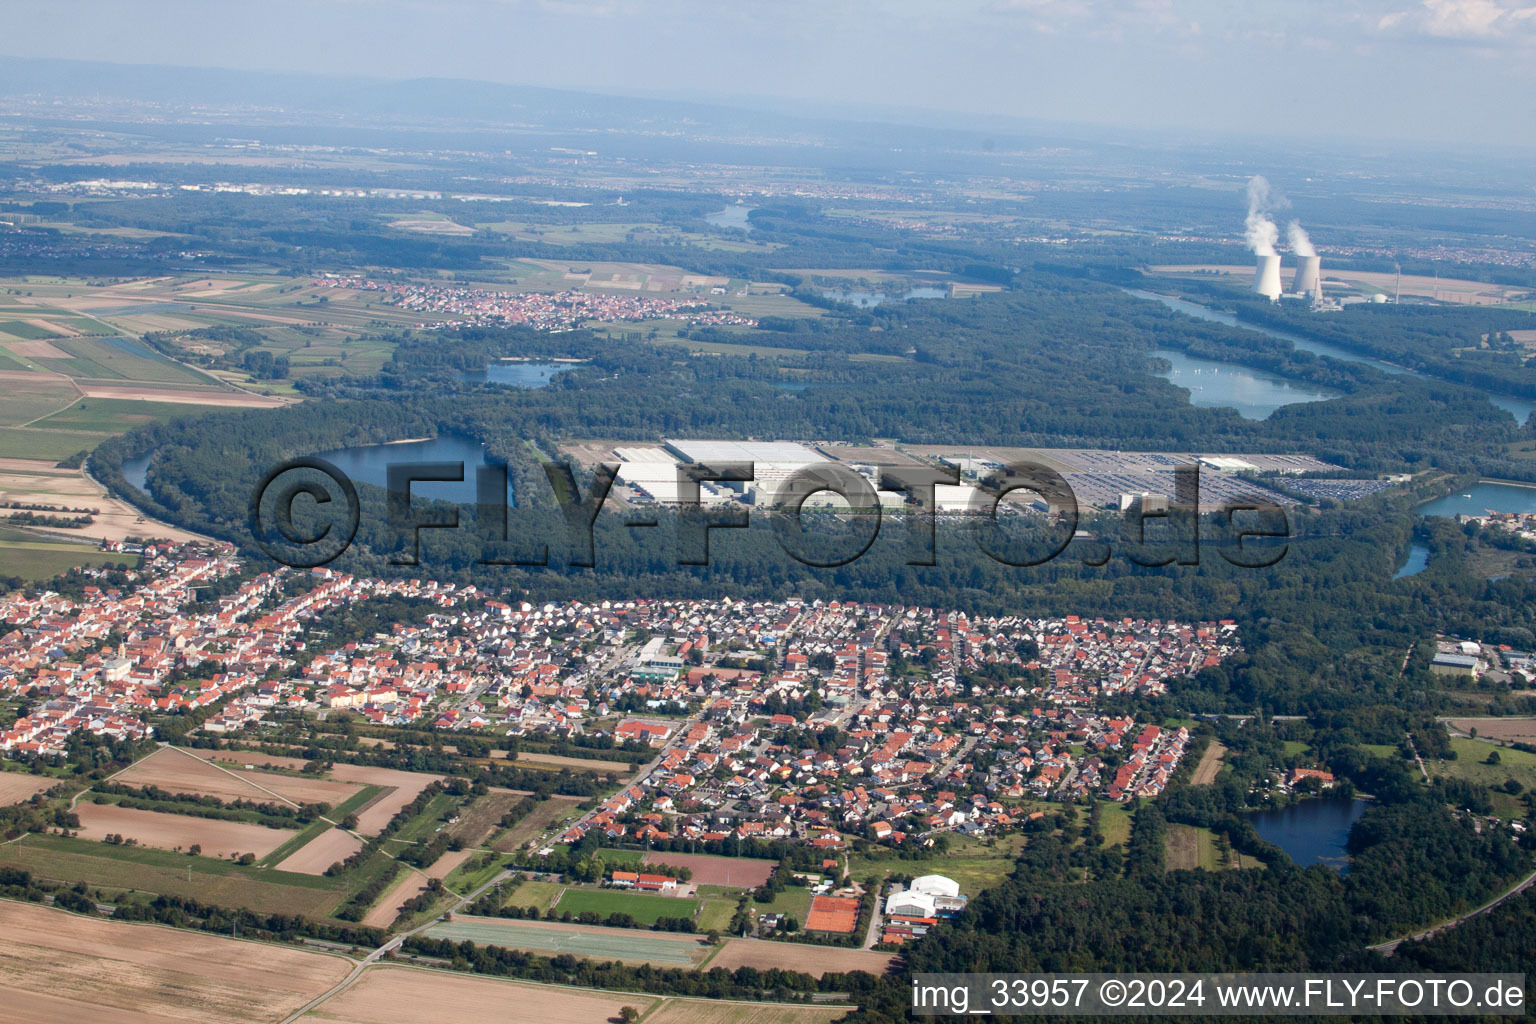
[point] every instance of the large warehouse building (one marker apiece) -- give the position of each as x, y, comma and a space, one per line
773, 462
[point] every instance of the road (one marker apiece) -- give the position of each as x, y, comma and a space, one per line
1388, 948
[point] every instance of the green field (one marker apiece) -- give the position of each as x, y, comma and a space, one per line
970, 862
1471, 764
143, 869
534, 894
27, 400
793, 900
643, 907
116, 415
53, 445
25, 331
610, 944
39, 560
716, 914
1115, 823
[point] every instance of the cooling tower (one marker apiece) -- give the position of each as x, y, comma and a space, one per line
1266, 277
1308, 280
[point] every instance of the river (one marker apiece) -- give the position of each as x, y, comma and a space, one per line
369, 464
1520, 408
1481, 497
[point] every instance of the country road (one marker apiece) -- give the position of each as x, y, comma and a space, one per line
388, 947
1388, 948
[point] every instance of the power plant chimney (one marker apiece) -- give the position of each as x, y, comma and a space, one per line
1266, 277
1308, 280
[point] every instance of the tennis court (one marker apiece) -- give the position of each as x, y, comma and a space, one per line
594, 943
832, 914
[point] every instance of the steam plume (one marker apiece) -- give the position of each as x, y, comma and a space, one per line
1259, 230
1300, 243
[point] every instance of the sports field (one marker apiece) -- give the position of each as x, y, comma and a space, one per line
832, 914
551, 937
643, 907
736, 872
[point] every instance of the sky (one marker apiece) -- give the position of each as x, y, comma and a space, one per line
1456, 71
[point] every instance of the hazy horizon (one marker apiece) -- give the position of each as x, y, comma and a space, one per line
1433, 71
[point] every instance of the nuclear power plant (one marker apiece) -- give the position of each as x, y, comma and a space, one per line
1308, 280
1266, 277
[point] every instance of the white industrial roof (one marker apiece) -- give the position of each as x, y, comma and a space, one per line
935, 885
743, 451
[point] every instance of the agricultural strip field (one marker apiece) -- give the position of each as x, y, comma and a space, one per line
479, 818
34, 397
114, 415
1507, 730
643, 907
701, 1011
42, 560
1210, 764
56, 966
321, 852
791, 956
179, 771
179, 831
532, 824
406, 887
18, 786
394, 993
580, 764
53, 445
62, 859
41, 482
630, 945
736, 872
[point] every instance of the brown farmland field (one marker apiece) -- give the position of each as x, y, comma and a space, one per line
16, 787
1507, 730
741, 872
1210, 764
407, 886
180, 771
709, 1011
403, 786
435, 997
168, 831
56, 966
813, 960
321, 852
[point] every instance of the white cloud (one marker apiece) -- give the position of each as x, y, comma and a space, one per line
1485, 21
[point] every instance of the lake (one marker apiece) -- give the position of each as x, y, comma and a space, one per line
1217, 385
865, 299
1520, 408
517, 375
369, 464
732, 217
136, 471
1313, 831
1416, 562
1482, 496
